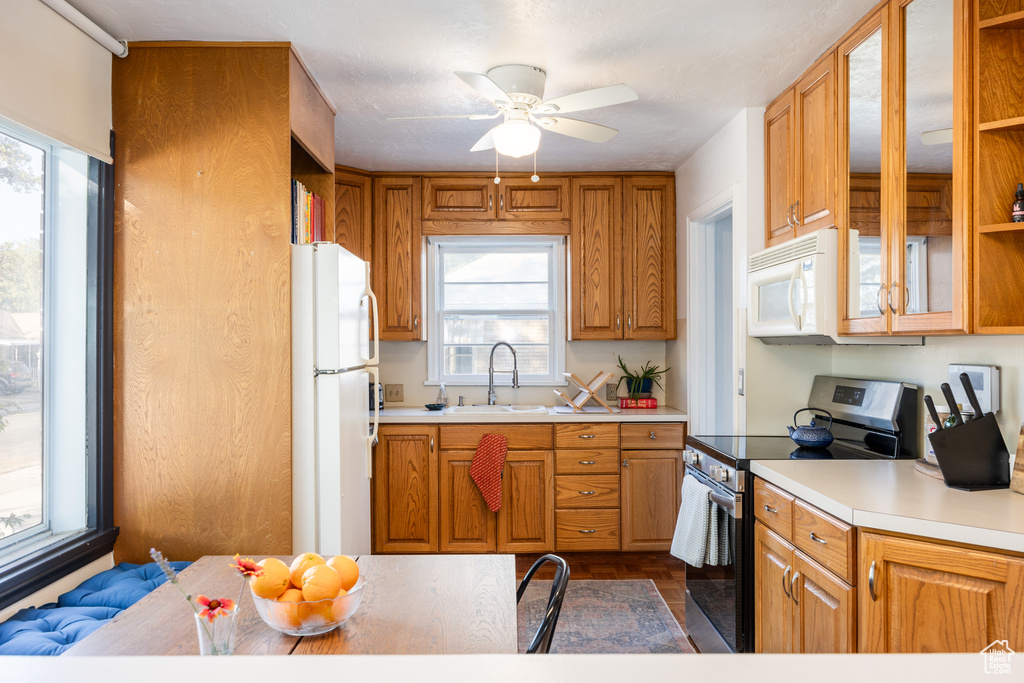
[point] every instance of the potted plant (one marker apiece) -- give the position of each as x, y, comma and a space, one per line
639, 383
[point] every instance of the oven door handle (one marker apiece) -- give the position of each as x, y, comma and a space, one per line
724, 501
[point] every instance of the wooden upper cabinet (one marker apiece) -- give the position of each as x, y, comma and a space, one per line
459, 199
353, 211
800, 156
478, 199
521, 199
920, 596
405, 489
596, 258
649, 257
397, 257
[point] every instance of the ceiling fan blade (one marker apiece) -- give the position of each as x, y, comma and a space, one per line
471, 117
486, 142
484, 86
588, 99
584, 130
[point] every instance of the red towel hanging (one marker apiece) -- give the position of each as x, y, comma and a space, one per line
486, 469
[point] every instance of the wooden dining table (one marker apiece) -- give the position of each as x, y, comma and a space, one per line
412, 604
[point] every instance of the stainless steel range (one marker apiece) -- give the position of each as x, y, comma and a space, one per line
871, 419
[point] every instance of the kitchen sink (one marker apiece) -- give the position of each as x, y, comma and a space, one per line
497, 410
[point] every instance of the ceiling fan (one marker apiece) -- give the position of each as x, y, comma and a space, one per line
517, 91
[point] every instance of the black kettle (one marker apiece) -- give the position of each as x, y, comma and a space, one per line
811, 436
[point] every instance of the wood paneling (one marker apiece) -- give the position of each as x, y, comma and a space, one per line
495, 227
651, 484
824, 610
405, 484
311, 117
827, 540
930, 597
467, 525
780, 166
587, 435
202, 397
397, 257
596, 259
526, 519
653, 435
649, 257
519, 436
523, 199
773, 608
587, 530
353, 212
587, 491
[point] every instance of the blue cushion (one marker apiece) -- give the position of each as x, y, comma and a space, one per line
120, 587
50, 631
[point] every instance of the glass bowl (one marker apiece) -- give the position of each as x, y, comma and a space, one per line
310, 618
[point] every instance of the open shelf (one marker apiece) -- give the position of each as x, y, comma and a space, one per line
1008, 21
1016, 123
1001, 227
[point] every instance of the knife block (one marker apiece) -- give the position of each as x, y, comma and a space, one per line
972, 456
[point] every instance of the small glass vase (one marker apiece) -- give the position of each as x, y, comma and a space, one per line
217, 637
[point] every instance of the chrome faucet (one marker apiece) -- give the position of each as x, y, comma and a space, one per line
491, 396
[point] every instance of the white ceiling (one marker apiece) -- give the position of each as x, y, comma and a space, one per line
694, 64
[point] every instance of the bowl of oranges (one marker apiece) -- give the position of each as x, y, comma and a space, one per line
310, 597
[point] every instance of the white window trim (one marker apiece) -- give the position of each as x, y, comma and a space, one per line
435, 344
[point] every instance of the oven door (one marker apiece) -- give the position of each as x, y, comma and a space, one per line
715, 601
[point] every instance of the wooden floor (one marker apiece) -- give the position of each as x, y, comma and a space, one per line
666, 571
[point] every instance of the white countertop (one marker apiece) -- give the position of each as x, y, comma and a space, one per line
414, 415
893, 496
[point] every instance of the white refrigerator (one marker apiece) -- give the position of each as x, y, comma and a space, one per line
332, 368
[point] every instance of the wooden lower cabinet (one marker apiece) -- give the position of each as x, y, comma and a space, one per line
526, 519
651, 484
405, 489
925, 596
799, 605
466, 524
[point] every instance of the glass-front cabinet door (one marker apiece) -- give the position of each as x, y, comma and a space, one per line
929, 279
863, 196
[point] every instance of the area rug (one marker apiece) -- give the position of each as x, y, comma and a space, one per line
604, 617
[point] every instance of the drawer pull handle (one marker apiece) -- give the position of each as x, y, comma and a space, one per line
784, 581
818, 539
792, 587
587, 436
774, 511
653, 435
871, 581
586, 493
587, 462
588, 531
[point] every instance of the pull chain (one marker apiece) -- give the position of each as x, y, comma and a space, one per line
497, 178
535, 177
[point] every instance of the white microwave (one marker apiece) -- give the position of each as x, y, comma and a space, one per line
793, 294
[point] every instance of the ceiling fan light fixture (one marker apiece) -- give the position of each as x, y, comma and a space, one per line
516, 138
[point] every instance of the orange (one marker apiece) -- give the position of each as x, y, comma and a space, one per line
300, 564
320, 582
316, 613
272, 581
286, 610
347, 569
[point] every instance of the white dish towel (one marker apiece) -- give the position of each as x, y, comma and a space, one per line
691, 542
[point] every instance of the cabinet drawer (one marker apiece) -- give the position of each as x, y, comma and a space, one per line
774, 507
528, 437
587, 491
587, 462
604, 435
587, 529
660, 436
826, 539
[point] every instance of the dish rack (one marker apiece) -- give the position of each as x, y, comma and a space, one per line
588, 391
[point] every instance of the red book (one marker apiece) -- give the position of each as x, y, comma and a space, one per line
638, 403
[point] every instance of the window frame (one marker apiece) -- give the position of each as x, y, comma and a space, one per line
557, 292
26, 575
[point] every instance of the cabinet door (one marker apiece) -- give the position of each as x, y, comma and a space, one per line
773, 608
815, 95
779, 168
521, 199
526, 519
649, 257
651, 484
459, 199
595, 258
353, 212
405, 490
824, 610
396, 270
466, 524
921, 596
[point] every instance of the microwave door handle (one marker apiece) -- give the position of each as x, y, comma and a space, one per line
789, 296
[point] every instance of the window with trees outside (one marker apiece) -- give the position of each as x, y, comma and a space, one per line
490, 289
55, 241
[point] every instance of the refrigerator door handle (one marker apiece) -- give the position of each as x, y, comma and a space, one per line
374, 359
371, 440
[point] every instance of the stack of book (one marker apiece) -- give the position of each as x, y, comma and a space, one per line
308, 215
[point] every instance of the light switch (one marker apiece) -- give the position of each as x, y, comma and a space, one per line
394, 393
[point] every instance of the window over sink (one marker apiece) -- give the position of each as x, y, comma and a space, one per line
489, 289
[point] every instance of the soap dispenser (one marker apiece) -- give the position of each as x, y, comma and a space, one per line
442, 396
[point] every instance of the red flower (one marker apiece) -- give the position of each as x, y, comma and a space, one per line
246, 566
213, 608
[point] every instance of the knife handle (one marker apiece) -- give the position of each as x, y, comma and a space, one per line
930, 405
951, 400
971, 396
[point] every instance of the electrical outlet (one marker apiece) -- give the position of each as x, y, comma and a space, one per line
394, 393
610, 392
